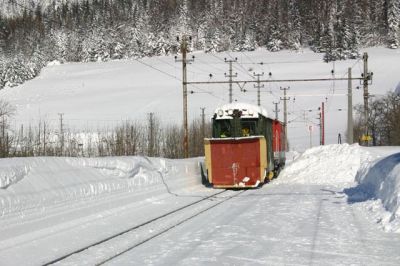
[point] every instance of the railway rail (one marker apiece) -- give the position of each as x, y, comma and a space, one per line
103, 251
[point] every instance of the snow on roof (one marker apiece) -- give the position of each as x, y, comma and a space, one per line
248, 110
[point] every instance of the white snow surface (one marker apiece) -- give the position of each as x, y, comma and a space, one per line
37, 183
327, 207
96, 96
52, 206
331, 164
379, 186
376, 171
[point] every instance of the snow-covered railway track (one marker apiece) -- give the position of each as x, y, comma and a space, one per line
109, 248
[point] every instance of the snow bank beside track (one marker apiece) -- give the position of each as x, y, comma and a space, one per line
379, 186
369, 176
12, 173
31, 184
330, 165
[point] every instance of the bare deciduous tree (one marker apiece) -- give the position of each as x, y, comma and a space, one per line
6, 111
383, 120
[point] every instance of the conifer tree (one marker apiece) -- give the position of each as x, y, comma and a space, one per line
294, 25
393, 17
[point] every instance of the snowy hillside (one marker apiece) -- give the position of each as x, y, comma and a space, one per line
102, 95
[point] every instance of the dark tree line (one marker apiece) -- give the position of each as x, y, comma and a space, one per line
33, 33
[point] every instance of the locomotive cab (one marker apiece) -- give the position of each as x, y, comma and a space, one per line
240, 152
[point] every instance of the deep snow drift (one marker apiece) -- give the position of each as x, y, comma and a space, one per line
379, 185
368, 176
331, 164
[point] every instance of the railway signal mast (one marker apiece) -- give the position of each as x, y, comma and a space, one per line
258, 86
285, 120
230, 76
350, 110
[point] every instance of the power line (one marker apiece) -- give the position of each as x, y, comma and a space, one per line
286, 62
240, 65
212, 65
159, 70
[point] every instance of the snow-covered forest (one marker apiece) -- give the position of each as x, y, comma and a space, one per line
35, 32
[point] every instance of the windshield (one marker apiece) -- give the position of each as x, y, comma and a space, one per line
248, 127
226, 128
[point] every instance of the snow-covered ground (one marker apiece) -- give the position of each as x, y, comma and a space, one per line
331, 205
376, 171
101, 95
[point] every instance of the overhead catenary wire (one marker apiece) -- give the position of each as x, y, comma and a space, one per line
245, 71
213, 65
285, 62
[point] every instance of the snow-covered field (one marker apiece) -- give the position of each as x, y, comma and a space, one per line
344, 198
102, 95
331, 205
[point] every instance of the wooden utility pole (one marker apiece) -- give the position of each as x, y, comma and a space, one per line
323, 123
230, 76
366, 77
61, 134
285, 122
3, 142
258, 86
320, 127
203, 122
349, 110
184, 50
44, 138
150, 151
276, 111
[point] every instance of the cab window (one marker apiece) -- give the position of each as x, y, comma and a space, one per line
223, 129
248, 128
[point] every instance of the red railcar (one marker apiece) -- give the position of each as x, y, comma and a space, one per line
246, 149
278, 145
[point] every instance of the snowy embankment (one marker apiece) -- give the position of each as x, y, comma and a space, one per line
368, 176
32, 184
379, 185
331, 164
